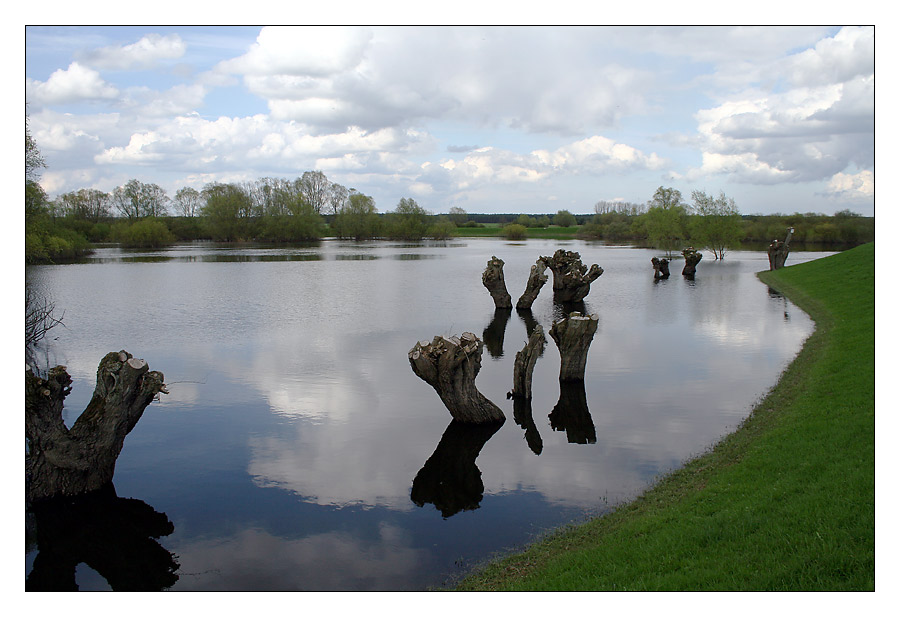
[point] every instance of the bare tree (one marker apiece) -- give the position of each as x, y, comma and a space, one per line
40, 318
188, 201
314, 188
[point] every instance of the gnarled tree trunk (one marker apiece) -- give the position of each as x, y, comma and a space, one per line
536, 279
573, 337
691, 259
571, 278
62, 461
523, 367
778, 251
450, 365
493, 280
660, 268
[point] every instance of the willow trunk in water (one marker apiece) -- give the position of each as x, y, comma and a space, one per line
63, 462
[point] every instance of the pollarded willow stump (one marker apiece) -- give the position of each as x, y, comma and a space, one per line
450, 365
493, 280
523, 368
573, 337
65, 462
778, 251
660, 268
536, 279
571, 278
691, 258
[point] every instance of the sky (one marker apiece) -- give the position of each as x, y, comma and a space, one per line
530, 119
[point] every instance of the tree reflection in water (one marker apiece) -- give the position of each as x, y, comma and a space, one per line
112, 535
523, 417
495, 332
450, 479
571, 413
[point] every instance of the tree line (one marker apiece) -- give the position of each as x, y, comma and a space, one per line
311, 206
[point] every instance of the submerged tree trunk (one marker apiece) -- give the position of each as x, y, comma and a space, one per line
61, 461
778, 251
691, 258
571, 278
450, 365
536, 280
525, 361
573, 337
493, 280
660, 268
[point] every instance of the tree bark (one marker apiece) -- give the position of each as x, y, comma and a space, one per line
691, 259
450, 365
571, 278
525, 361
493, 280
62, 461
536, 280
573, 337
660, 268
778, 251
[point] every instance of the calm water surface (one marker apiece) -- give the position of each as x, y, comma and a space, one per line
298, 451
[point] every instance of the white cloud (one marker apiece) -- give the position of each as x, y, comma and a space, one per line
860, 185
822, 125
149, 50
76, 83
302, 50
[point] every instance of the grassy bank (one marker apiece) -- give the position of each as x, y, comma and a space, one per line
787, 502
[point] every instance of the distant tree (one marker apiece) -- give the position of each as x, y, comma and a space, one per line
34, 160
227, 211
525, 221
514, 231
666, 198
564, 218
409, 221
84, 204
665, 222
136, 200
337, 198
716, 224
314, 187
188, 202
458, 216
358, 219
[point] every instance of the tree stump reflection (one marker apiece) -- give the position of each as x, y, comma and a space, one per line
571, 414
450, 480
112, 535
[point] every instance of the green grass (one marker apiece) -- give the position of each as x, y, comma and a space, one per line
787, 502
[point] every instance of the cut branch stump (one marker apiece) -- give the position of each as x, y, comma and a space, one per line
525, 361
450, 365
493, 280
571, 278
691, 258
536, 279
660, 268
573, 336
778, 251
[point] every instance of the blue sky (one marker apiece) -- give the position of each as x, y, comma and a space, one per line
517, 119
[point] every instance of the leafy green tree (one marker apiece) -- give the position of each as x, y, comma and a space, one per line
409, 221
85, 205
665, 221
227, 212
564, 218
525, 221
514, 231
358, 219
716, 224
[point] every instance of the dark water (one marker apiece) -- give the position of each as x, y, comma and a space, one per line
286, 452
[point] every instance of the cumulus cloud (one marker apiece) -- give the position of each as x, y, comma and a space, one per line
74, 84
852, 186
142, 54
819, 126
